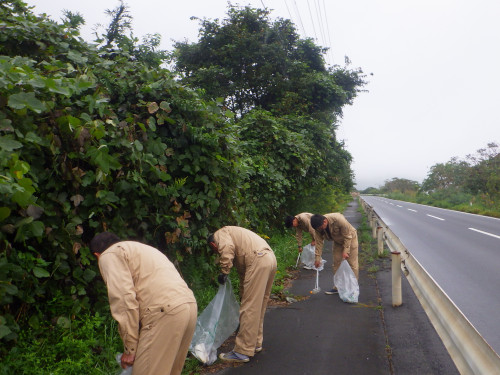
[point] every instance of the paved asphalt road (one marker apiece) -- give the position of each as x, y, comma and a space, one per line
459, 250
321, 335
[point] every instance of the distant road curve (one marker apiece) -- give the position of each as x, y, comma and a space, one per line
460, 251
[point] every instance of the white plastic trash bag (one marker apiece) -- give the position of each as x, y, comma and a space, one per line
321, 266
215, 324
308, 256
346, 283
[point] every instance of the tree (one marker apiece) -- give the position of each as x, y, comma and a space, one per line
462, 181
484, 167
370, 190
401, 185
118, 38
483, 177
258, 65
443, 176
251, 61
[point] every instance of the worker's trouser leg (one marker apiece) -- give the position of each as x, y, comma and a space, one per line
164, 340
353, 256
259, 277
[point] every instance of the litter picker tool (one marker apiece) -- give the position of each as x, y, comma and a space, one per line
316, 289
297, 262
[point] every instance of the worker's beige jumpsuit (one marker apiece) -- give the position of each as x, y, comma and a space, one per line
256, 265
345, 240
304, 224
155, 309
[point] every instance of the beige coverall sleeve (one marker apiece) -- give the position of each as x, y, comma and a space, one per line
298, 235
226, 250
318, 251
312, 232
122, 298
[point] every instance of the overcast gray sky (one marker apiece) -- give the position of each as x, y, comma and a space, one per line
434, 93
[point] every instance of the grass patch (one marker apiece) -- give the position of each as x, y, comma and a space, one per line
369, 255
84, 345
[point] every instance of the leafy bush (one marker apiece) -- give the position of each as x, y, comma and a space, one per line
97, 137
91, 151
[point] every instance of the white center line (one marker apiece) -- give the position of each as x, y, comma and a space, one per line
435, 217
399, 205
409, 209
488, 234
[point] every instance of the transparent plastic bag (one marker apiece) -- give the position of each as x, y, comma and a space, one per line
215, 324
308, 257
126, 371
346, 283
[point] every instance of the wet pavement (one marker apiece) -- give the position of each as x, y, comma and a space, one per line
320, 334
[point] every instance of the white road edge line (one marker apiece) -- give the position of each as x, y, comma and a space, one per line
435, 217
409, 209
488, 234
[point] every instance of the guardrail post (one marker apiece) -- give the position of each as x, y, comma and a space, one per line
374, 228
397, 299
380, 240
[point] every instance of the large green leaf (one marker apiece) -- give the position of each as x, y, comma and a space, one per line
4, 331
4, 213
89, 275
9, 144
26, 100
40, 272
37, 228
77, 57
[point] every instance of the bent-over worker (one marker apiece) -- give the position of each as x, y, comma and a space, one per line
256, 265
301, 222
336, 228
155, 310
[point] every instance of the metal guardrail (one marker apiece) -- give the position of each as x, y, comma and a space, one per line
468, 349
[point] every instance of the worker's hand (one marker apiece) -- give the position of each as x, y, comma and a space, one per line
345, 255
127, 360
300, 249
222, 278
317, 263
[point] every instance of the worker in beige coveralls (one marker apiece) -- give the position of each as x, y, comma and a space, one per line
336, 228
155, 309
301, 222
256, 265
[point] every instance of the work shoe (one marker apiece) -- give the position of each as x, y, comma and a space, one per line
232, 356
258, 349
332, 291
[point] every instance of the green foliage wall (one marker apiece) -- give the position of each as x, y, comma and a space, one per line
93, 141
96, 138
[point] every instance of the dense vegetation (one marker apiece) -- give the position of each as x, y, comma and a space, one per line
101, 136
471, 184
